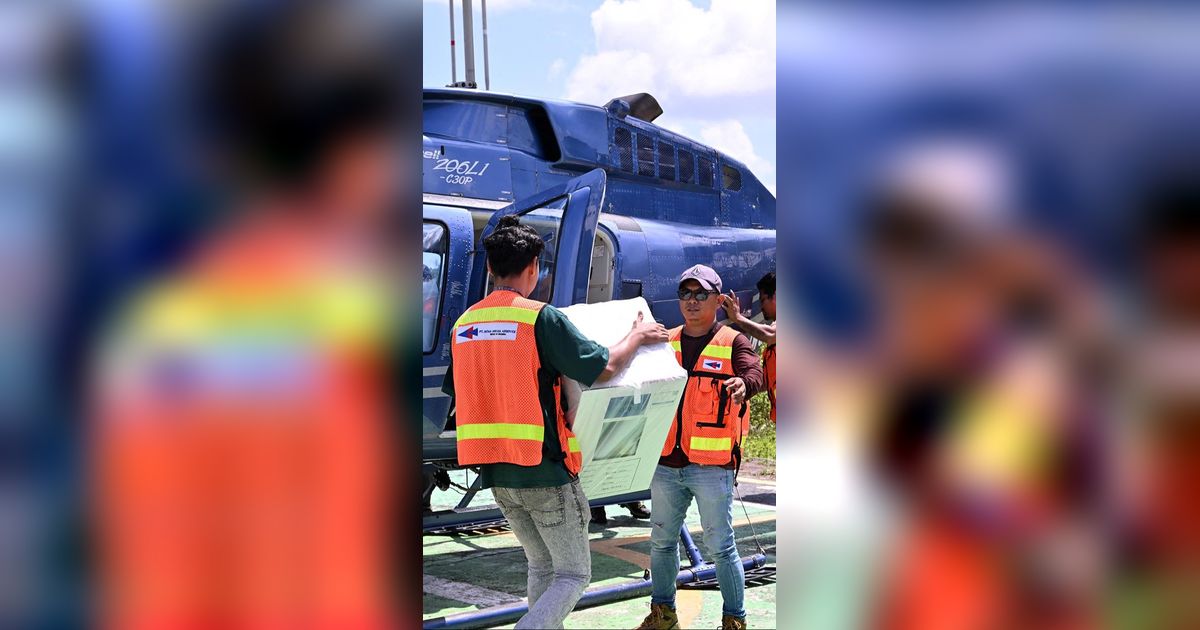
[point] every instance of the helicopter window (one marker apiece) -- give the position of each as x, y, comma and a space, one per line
433, 258
623, 149
666, 161
705, 175
731, 178
687, 166
546, 220
645, 155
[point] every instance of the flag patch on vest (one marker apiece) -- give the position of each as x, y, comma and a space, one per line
487, 331
713, 365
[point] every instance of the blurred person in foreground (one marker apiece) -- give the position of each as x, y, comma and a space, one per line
241, 401
508, 360
764, 332
702, 453
973, 414
1159, 554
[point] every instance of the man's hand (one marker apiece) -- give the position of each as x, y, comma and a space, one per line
648, 333
733, 308
640, 334
736, 388
761, 332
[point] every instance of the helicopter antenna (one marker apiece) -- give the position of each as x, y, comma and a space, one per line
453, 61
468, 44
487, 79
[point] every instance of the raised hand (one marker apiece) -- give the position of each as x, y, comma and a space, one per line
733, 308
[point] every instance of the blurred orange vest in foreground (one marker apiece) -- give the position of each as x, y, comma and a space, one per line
769, 364
239, 445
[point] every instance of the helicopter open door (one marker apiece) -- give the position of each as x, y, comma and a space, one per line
566, 217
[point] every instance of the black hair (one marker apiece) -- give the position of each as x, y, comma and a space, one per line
512, 247
766, 284
282, 84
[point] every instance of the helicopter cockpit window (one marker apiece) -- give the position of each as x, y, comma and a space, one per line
433, 259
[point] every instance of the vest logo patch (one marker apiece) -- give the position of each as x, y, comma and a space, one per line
487, 331
713, 365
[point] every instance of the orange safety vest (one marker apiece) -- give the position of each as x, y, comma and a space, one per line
769, 365
496, 368
246, 484
705, 427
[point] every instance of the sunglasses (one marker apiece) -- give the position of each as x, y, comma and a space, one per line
700, 294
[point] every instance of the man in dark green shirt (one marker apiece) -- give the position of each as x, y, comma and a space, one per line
543, 503
563, 351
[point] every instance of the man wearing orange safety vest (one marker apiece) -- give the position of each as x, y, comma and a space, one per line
703, 449
762, 332
507, 362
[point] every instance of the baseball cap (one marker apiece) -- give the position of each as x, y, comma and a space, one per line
704, 275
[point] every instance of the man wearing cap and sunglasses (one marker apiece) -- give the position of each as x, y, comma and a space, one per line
703, 449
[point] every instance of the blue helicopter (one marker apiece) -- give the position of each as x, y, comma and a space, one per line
623, 205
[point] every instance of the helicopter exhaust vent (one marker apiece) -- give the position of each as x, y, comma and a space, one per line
641, 106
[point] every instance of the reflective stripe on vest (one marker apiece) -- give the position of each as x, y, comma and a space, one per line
502, 430
498, 397
711, 428
724, 445
498, 313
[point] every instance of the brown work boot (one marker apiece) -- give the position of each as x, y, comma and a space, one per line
732, 623
661, 617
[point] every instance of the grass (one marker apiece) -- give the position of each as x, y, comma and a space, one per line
761, 441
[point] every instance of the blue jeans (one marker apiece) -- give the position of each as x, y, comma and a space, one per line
671, 492
551, 524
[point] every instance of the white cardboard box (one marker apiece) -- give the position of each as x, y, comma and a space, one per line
623, 422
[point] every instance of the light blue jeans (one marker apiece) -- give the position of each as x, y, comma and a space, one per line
551, 524
671, 492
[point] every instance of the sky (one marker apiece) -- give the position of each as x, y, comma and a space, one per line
710, 64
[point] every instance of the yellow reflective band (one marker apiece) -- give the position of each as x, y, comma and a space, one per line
501, 430
499, 314
573, 445
676, 346
712, 444
720, 352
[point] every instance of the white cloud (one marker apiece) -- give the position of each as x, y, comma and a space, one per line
557, 67
698, 62
709, 68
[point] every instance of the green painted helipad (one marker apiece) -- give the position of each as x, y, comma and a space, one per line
471, 572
